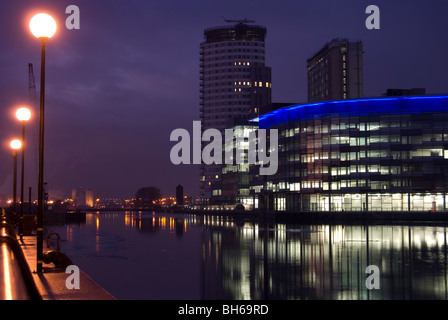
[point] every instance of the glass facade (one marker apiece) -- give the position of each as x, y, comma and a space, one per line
385, 154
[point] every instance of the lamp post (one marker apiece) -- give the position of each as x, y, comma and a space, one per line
43, 27
15, 145
23, 114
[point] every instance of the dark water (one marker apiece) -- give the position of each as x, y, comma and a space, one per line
158, 256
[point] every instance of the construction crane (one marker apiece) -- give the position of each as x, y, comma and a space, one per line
32, 86
32, 92
239, 21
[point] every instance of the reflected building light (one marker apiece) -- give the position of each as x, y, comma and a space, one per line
441, 238
417, 242
97, 242
69, 232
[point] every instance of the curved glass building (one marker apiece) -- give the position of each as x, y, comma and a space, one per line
381, 154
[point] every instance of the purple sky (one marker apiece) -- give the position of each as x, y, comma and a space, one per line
117, 87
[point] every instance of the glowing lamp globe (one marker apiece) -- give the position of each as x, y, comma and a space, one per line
16, 144
43, 26
23, 114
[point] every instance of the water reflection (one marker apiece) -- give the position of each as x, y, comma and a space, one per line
323, 262
243, 259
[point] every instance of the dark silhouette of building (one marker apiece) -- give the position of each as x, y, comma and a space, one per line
180, 195
405, 92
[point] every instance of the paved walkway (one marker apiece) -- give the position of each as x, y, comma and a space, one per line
51, 282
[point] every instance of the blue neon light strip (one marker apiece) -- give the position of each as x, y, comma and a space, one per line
359, 107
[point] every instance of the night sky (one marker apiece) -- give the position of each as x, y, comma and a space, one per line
118, 86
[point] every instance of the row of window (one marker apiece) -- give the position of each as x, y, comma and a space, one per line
222, 51
335, 141
235, 57
241, 110
233, 44
225, 103
357, 169
224, 97
223, 78
373, 126
224, 110
232, 70
370, 154
338, 185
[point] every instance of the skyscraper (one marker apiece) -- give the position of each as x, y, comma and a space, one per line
336, 72
234, 84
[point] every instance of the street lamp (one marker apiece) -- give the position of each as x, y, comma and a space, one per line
15, 145
22, 114
43, 27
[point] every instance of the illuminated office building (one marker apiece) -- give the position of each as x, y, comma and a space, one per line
234, 84
381, 154
336, 72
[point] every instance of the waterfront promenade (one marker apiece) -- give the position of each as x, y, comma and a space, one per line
51, 282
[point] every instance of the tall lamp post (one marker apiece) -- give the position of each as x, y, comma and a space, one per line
23, 115
15, 145
43, 27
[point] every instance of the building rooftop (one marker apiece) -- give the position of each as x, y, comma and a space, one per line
359, 107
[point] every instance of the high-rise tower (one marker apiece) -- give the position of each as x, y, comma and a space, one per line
234, 84
336, 72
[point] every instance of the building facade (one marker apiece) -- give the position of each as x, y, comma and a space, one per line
234, 84
336, 72
383, 154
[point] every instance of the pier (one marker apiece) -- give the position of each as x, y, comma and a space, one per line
19, 278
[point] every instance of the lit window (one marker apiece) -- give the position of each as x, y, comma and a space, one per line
267, 84
248, 63
260, 84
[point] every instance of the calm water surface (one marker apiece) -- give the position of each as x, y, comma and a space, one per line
176, 256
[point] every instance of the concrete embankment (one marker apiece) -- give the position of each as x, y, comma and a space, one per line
51, 283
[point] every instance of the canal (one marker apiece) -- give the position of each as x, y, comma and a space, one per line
176, 256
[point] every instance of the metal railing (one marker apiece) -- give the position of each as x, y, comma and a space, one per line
16, 280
